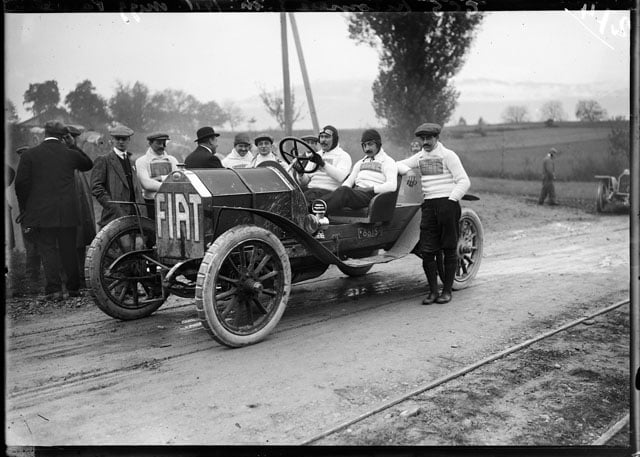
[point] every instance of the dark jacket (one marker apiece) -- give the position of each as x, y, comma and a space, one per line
548, 169
45, 184
202, 158
109, 183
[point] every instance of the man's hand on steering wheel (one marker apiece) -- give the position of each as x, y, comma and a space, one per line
317, 159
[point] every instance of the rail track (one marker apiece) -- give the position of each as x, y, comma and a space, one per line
606, 437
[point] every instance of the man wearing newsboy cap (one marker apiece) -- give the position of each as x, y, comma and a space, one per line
114, 179
204, 156
46, 192
444, 182
153, 167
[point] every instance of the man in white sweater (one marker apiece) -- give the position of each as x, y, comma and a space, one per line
444, 182
334, 165
374, 174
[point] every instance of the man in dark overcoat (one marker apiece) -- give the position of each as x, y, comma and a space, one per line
46, 191
114, 178
204, 156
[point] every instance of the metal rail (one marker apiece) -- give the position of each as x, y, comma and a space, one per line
431, 385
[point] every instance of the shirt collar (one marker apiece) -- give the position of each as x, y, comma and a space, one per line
120, 153
51, 138
153, 155
207, 148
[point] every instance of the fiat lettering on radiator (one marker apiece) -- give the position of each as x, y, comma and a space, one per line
178, 215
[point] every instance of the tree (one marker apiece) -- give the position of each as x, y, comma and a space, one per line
129, 106
233, 114
419, 54
10, 113
274, 103
552, 110
173, 111
43, 97
86, 106
590, 111
462, 121
515, 114
212, 114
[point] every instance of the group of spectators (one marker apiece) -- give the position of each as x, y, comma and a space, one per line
55, 195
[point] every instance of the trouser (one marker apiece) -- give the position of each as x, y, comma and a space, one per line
348, 197
439, 232
57, 246
33, 259
548, 189
315, 193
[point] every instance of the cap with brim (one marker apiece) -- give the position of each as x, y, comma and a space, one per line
262, 137
553, 151
205, 132
73, 130
55, 128
428, 129
120, 130
158, 136
242, 138
309, 138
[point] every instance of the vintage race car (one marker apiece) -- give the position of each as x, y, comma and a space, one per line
613, 192
235, 240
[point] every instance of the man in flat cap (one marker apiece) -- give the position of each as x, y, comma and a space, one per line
374, 174
87, 227
334, 165
46, 191
264, 143
153, 167
114, 178
548, 176
240, 156
444, 182
204, 156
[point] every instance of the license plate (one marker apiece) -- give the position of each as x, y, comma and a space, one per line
369, 232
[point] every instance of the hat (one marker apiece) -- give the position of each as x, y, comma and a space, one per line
263, 136
242, 138
553, 151
21, 149
428, 129
74, 131
205, 132
158, 136
55, 128
330, 130
120, 130
309, 138
371, 135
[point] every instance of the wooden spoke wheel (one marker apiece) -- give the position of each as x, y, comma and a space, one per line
470, 245
243, 285
124, 283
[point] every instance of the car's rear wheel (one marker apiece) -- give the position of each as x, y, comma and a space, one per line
243, 285
470, 244
601, 197
125, 286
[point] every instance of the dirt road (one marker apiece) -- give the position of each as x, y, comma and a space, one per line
77, 377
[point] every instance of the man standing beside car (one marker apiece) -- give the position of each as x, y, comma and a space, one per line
45, 187
153, 167
114, 178
204, 156
444, 182
334, 165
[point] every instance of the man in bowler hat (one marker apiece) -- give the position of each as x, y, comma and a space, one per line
204, 156
46, 191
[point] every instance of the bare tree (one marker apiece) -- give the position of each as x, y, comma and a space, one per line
274, 103
590, 110
515, 114
552, 110
233, 113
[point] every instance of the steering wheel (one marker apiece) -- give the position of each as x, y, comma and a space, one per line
292, 149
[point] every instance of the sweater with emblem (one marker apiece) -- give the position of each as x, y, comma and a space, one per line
379, 172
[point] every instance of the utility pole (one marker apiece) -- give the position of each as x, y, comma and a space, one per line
305, 77
285, 75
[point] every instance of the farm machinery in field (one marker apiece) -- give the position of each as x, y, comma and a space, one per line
235, 240
613, 192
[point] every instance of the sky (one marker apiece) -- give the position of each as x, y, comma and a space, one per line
515, 58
